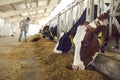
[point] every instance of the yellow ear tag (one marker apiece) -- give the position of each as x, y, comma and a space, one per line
100, 34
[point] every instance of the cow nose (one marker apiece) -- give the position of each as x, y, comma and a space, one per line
75, 67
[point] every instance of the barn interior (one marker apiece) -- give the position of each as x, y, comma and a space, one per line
35, 59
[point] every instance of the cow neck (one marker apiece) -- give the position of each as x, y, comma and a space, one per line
92, 24
100, 35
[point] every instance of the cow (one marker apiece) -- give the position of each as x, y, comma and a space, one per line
52, 33
49, 33
65, 42
87, 44
45, 31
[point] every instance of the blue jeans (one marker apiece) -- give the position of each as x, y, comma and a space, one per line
21, 32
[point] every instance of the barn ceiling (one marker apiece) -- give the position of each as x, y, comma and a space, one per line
36, 9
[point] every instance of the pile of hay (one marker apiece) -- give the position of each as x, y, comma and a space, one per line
58, 66
35, 38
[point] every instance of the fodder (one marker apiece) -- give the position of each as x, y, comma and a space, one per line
58, 66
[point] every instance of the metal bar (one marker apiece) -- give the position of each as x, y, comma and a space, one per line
115, 14
117, 24
102, 6
87, 12
71, 17
116, 6
91, 10
98, 11
110, 22
58, 28
63, 11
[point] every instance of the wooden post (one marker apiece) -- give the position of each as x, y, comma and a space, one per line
91, 10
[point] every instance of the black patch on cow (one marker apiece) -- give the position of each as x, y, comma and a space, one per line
52, 33
64, 43
107, 4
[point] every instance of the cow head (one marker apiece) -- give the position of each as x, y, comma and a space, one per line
52, 33
103, 18
64, 44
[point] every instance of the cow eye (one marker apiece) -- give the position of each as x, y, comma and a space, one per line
85, 43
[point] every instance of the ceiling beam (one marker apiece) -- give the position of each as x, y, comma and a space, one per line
12, 13
39, 14
36, 3
20, 18
47, 4
12, 5
25, 1
2, 10
5, 2
36, 6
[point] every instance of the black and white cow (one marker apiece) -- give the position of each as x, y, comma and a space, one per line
50, 33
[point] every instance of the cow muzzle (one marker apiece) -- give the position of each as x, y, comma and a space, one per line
76, 67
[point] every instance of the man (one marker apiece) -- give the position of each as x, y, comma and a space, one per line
24, 25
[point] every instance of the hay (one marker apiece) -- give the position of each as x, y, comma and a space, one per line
36, 61
34, 38
58, 66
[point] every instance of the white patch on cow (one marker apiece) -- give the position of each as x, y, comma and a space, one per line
55, 49
95, 55
104, 22
92, 24
80, 34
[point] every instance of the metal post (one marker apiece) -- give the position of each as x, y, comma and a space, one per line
58, 28
64, 21
98, 11
87, 12
71, 17
77, 13
91, 10
102, 6
78, 7
81, 7
110, 22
